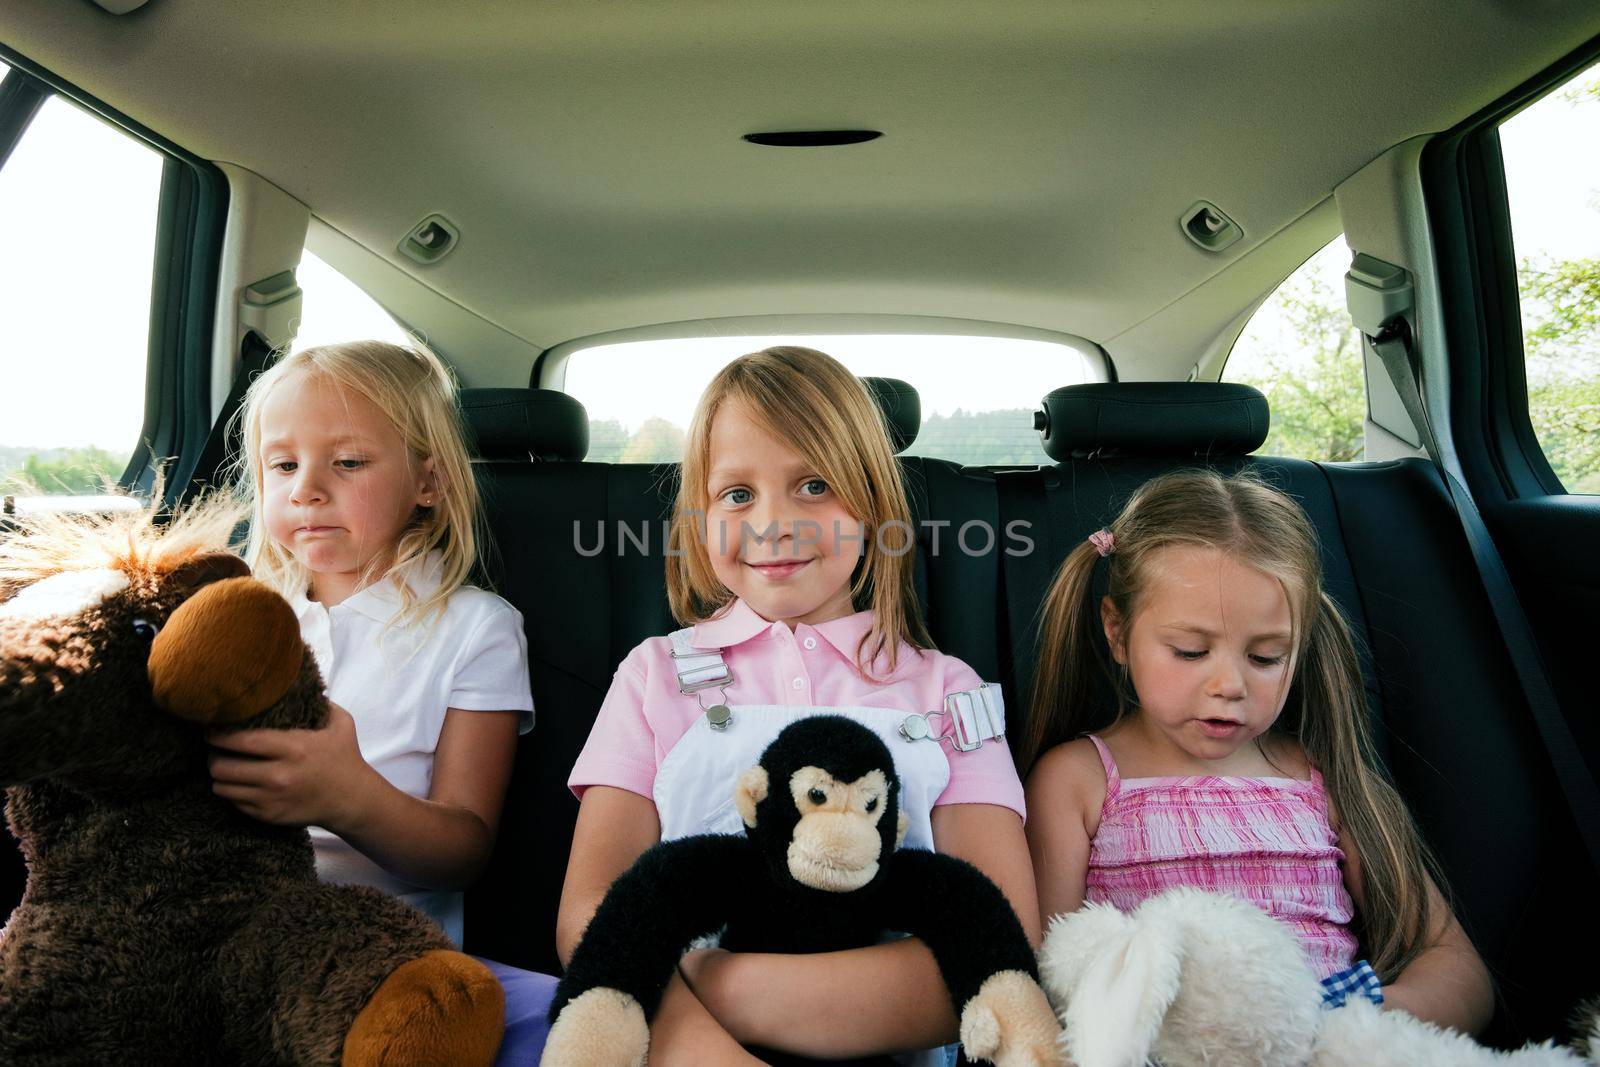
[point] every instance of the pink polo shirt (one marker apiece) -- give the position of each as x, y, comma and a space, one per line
644, 714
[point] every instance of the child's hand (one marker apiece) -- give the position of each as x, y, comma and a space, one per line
293, 777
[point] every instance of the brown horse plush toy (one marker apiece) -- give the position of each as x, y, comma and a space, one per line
159, 924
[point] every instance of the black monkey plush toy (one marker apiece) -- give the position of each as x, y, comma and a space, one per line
816, 871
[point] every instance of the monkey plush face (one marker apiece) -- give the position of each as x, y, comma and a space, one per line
836, 844
823, 804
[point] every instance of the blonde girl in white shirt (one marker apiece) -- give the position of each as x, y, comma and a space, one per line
366, 518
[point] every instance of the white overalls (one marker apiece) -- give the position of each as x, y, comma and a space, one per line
694, 783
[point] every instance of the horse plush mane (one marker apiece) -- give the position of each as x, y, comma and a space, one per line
133, 540
160, 924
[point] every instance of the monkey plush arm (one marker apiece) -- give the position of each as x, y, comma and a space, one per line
960, 915
674, 892
982, 952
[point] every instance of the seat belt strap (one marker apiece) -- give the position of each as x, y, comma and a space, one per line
1392, 345
222, 443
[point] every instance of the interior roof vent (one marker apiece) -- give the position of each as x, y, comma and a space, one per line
812, 138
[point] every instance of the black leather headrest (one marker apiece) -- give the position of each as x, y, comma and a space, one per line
542, 425
1152, 418
901, 407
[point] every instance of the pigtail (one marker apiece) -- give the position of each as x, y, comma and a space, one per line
1335, 731
1061, 700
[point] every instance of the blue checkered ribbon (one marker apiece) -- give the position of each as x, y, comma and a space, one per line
1359, 980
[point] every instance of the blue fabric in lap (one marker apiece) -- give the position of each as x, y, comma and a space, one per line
528, 997
1359, 980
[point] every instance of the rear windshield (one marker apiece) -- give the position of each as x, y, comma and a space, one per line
978, 393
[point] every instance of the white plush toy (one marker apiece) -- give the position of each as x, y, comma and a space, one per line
1197, 978
1588, 1026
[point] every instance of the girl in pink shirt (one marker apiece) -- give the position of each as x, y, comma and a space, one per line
1238, 756
790, 568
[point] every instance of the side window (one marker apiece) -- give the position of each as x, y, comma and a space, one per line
333, 308
81, 197
1302, 351
1552, 166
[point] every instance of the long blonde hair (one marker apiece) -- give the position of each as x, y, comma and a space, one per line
1325, 709
417, 393
809, 401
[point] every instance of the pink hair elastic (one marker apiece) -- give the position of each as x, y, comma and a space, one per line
1103, 542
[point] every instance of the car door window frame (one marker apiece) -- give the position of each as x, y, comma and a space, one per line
1469, 212
191, 215
21, 97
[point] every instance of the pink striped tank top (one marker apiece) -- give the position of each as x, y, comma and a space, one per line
1266, 840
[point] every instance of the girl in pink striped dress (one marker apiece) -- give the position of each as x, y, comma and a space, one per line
1226, 746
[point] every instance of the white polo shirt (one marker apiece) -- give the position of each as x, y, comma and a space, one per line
397, 682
